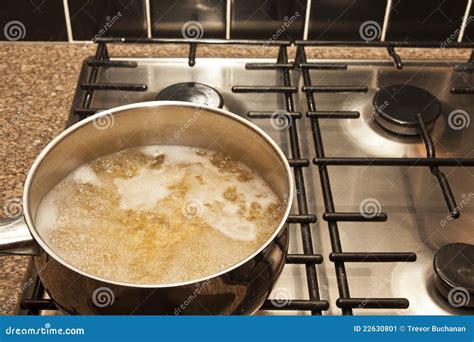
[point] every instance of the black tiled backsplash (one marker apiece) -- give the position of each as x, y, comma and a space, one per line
265, 19
333, 20
188, 18
425, 20
33, 20
106, 18
347, 20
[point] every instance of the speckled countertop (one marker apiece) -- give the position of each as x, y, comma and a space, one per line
38, 84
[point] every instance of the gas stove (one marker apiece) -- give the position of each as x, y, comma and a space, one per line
382, 156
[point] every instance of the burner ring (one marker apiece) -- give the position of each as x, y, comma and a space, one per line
396, 107
455, 274
194, 92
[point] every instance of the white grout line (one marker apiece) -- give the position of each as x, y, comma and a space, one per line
148, 18
228, 18
68, 21
464, 20
386, 19
306, 20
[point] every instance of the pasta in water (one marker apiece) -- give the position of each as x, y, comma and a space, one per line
158, 214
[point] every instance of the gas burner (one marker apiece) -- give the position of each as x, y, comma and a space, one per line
454, 269
396, 107
192, 92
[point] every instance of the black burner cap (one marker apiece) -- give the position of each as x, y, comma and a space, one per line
396, 107
454, 268
192, 92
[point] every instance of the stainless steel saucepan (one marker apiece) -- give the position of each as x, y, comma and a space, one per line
240, 289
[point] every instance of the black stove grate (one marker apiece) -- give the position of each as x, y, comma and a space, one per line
338, 257
315, 305
32, 302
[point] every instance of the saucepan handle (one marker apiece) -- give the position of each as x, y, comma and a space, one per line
15, 238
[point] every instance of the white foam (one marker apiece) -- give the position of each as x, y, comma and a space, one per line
176, 154
143, 191
85, 174
152, 150
228, 223
149, 187
47, 215
227, 220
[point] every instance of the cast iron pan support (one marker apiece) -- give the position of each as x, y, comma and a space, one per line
440, 176
309, 259
396, 58
345, 302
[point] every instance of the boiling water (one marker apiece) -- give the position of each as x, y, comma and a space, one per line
158, 214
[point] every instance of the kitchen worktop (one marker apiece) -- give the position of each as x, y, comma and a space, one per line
38, 84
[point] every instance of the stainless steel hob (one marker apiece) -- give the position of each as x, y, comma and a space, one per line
372, 206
